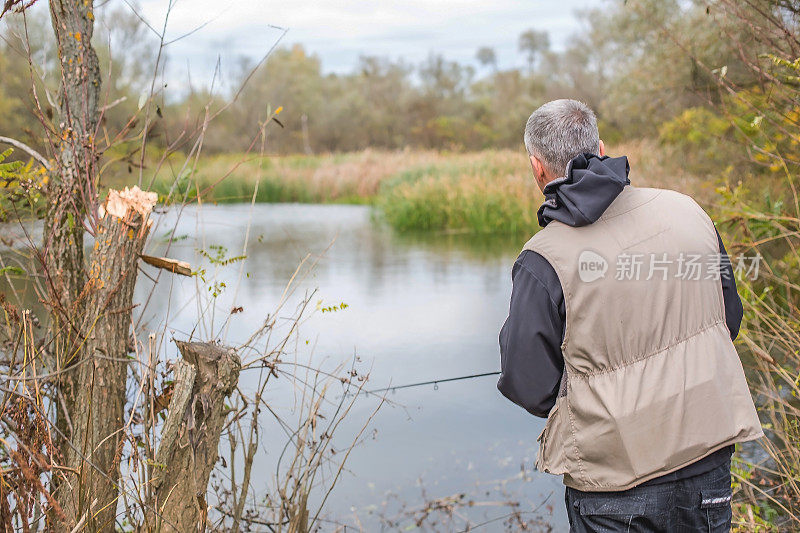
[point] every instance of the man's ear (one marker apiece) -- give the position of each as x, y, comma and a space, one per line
538, 172
602, 149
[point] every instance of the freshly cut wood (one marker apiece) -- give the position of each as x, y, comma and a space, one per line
173, 265
118, 203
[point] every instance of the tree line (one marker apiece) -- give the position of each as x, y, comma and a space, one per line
631, 61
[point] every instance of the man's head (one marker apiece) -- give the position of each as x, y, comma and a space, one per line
557, 132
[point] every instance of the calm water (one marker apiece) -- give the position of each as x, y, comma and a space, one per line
418, 310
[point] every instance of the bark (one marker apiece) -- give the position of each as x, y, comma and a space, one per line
98, 409
71, 188
72, 182
206, 375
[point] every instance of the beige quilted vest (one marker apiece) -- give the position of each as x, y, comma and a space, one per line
652, 381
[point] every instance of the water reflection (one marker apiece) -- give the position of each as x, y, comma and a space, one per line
419, 308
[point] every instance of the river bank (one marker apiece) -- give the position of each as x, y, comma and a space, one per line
487, 192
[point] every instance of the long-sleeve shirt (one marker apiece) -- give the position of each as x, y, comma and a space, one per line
531, 338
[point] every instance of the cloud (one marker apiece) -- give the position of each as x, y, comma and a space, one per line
339, 31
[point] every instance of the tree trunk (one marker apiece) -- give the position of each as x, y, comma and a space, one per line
73, 178
71, 189
205, 376
98, 411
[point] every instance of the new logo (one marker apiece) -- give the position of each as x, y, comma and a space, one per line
591, 266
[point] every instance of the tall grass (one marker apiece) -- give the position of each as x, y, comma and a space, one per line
768, 495
493, 192
489, 192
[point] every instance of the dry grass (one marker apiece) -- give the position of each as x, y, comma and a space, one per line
352, 177
479, 192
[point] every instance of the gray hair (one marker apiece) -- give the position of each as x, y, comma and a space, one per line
559, 131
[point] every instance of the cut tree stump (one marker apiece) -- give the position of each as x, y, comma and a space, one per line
206, 375
101, 364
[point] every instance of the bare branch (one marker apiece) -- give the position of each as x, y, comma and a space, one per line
25, 148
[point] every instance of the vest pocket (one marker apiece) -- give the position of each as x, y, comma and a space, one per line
553, 441
540, 453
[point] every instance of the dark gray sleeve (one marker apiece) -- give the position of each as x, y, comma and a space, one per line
530, 341
733, 304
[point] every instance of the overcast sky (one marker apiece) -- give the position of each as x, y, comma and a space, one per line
339, 31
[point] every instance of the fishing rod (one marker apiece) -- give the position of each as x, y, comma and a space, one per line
434, 382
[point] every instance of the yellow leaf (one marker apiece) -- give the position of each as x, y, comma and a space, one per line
278, 111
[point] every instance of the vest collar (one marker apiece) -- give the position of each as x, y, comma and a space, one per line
627, 201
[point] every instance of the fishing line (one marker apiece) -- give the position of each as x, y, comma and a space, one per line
434, 382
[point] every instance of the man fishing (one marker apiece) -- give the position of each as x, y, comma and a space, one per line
620, 332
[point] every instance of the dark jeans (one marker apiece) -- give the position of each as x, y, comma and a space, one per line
699, 503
